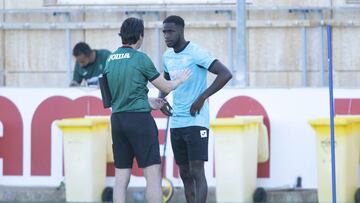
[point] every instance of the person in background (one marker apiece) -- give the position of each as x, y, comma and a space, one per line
134, 131
89, 64
189, 124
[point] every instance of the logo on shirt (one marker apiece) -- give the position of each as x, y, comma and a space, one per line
119, 56
203, 133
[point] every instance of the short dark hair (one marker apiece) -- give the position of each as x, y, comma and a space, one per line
81, 48
131, 30
175, 19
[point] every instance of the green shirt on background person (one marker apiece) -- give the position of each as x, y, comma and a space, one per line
91, 71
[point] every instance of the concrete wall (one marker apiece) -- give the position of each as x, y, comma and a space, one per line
346, 51
38, 58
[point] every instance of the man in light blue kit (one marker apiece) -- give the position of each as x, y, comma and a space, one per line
189, 124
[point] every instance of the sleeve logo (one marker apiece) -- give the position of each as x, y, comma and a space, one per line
203, 133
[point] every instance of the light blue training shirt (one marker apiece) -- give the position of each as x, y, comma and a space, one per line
198, 61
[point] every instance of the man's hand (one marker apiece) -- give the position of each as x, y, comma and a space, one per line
166, 109
197, 105
92, 81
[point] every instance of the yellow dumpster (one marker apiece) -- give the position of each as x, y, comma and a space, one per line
237, 153
105, 120
355, 119
346, 157
84, 159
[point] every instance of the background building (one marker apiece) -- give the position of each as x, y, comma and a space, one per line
286, 39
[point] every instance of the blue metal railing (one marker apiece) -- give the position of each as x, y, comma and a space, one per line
332, 137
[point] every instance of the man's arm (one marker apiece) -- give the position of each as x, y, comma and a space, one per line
165, 108
167, 86
223, 76
77, 78
163, 94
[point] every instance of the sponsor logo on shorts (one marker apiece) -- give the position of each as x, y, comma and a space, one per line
203, 133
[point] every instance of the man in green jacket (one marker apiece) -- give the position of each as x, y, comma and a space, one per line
90, 63
134, 131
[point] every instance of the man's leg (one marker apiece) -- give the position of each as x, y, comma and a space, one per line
198, 173
122, 178
189, 184
153, 183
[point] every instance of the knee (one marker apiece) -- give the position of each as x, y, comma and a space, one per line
185, 174
197, 172
122, 181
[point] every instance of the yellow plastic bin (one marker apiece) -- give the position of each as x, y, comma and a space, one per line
346, 157
240, 143
85, 159
105, 120
355, 119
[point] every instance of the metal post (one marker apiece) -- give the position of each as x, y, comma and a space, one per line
68, 49
304, 54
241, 74
140, 15
321, 65
332, 136
230, 46
157, 44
